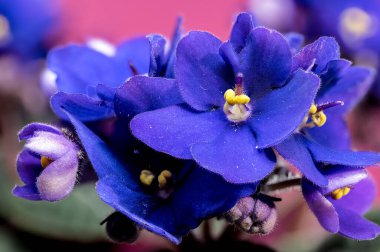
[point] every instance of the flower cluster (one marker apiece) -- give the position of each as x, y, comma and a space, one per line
181, 131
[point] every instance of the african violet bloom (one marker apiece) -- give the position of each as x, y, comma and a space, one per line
339, 206
240, 98
88, 76
48, 165
324, 136
354, 23
25, 26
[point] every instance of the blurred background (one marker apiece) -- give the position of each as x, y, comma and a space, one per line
30, 28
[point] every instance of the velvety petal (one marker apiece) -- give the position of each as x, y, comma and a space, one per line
294, 151
321, 207
360, 197
105, 93
135, 52
79, 66
276, 115
322, 153
171, 55
350, 89
334, 133
172, 218
157, 55
202, 74
58, 179
48, 144
29, 130
242, 27
229, 55
265, 61
141, 93
340, 176
334, 70
173, 130
319, 53
234, 156
28, 167
354, 226
295, 41
28, 192
81, 106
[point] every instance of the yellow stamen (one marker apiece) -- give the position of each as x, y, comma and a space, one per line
229, 96
163, 178
241, 99
339, 193
313, 109
45, 161
146, 177
319, 118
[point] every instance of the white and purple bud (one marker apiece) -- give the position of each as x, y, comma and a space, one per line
48, 164
254, 214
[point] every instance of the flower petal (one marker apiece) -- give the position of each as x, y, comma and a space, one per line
354, 226
295, 41
173, 130
334, 70
322, 153
294, 151
334, 133
135, 52
141, 93
276, 115
242, 27
79, 66
28, 167
360, 197
319, 53
28, 192
234, 156
157, 55
265, 61
29, 130
48, 144
321, 207
350, 89
58, 179
202, 75
81, 106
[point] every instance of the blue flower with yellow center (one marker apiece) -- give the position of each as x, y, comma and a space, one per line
240, 98
340, 205
323, 135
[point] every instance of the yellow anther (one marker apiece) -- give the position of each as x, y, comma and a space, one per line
45, 161
319, 118
146, 177
313, 109
229, 96
339, 193
163, 178
241, 99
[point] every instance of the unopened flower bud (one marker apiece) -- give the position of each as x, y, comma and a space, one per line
256, 214
48, 164
120, 228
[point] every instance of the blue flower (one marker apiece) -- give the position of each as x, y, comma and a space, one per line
340, 205
25, 25
353, 23
88, 79
48, 165
161, 194
324, 136
240, 98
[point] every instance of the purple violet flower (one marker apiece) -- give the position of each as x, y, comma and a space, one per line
324, 136
240, 98
340, 205
48, 164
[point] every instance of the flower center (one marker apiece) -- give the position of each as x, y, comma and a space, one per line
236, 107
45, 161
339, 193
316, 116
